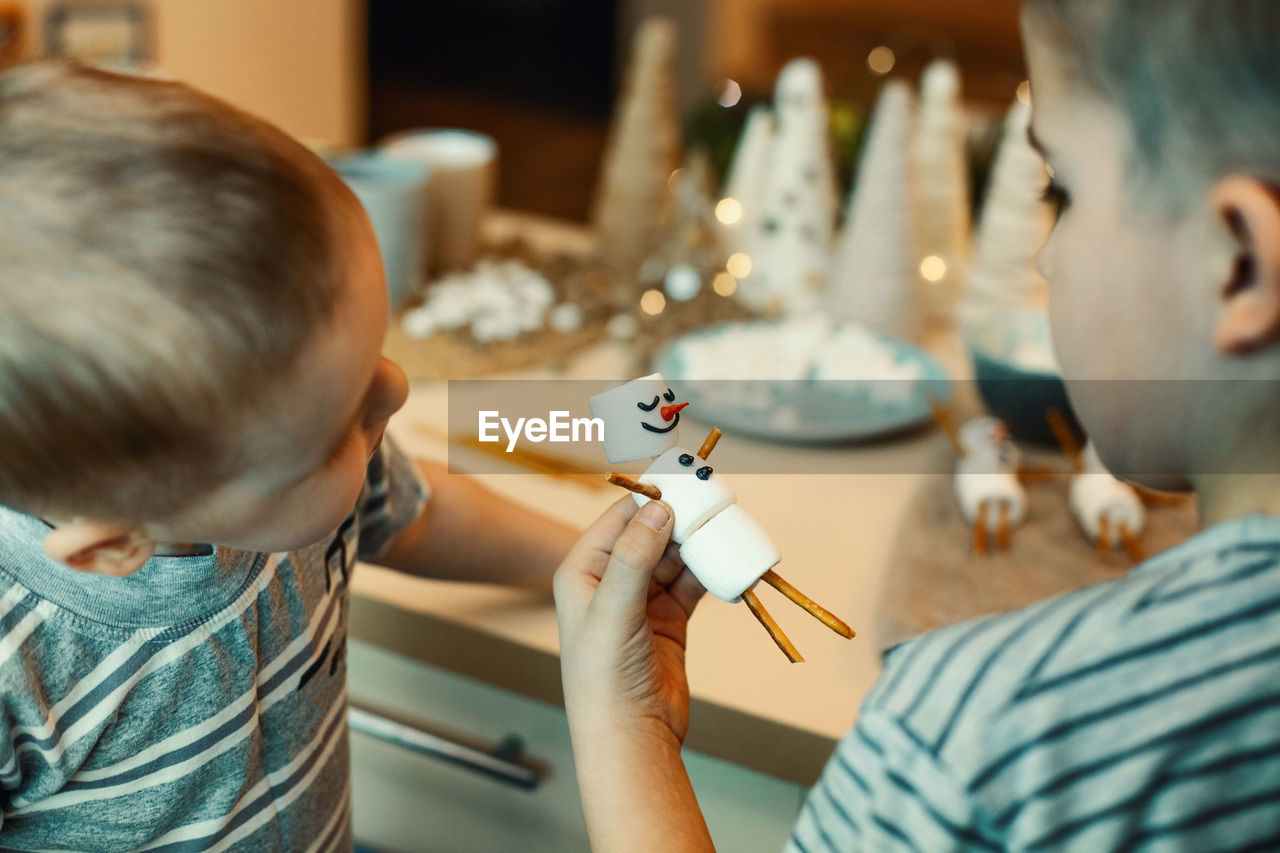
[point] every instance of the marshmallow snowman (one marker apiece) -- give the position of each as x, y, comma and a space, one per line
987, 475
1097, 499
725, 548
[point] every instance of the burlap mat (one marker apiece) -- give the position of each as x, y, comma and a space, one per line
936, 579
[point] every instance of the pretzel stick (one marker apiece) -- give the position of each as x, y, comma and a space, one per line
1152, 498
1003, 533
1063, 434
710, 444
1131, 544
943, 416
980, 531
822, 614
651, 492
1104, 535
757, 610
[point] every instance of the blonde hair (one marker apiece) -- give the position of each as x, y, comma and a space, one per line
1196, 79
163, 260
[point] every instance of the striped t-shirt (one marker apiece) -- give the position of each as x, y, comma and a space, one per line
198, 703
1138, 714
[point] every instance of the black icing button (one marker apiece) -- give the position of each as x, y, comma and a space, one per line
686, 459
704, 473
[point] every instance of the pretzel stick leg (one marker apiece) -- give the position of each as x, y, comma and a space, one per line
651, 492
710, 444
948, 423
757, 610
1104, 535
1131, 544
1003, 534
980, 531
822, 614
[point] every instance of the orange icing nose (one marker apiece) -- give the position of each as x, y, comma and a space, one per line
669, 412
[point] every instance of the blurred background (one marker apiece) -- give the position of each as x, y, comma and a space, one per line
539, 76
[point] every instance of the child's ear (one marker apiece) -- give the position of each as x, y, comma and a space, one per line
1249, 317
105, 549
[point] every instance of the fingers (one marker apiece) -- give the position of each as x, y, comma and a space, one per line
687, 591
600, 537
642, 544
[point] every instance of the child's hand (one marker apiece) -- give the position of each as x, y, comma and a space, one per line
623, 598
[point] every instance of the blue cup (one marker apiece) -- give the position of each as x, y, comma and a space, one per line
394, 194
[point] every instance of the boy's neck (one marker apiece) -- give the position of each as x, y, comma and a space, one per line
1222, 497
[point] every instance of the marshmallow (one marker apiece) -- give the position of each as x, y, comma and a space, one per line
1095, 493
634, 427
729, 553
976, 488
690, 487
987, 473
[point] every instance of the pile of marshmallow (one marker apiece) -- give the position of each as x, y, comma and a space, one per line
496, 300
795, 348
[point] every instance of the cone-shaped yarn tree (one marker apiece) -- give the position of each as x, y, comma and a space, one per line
642, 152
689, 255
745, 181
874, 278
790, 241
942, 190
1015, 223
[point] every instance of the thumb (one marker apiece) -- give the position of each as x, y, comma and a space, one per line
624, 589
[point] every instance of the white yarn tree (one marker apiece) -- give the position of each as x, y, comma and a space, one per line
642, 152
873, 278
789, 241
1015, 223
942, 190
744, 183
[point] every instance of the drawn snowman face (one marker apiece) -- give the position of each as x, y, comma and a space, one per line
641, 419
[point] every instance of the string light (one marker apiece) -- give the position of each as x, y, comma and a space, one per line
652, 302
739, 265
725, 284
730, 94
933, 268
881, 60
729, 211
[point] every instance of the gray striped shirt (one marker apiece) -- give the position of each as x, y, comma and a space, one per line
198, 703
1138, 714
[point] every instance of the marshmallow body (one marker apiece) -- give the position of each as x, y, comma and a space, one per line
690, 487
976, 488
987, 473
1095, 493
633, 424
729, 553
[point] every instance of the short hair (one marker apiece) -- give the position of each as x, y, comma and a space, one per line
1197, 80
164, 258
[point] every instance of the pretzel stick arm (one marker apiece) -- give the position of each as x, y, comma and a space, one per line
1131, 544
757, 610
1063, 434
651, 492
1104, 535
980, 531
822, 614
1003, 533
710, 444
948, 423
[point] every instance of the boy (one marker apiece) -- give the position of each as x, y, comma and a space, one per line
191, 460
1142, 713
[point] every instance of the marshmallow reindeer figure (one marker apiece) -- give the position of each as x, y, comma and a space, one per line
991, 497
726, 549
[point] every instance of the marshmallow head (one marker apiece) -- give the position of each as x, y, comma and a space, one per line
729, 553
641, 419
690, 487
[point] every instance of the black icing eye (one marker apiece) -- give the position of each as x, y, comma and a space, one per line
669, 396
703, 473
650, 407
686, 459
